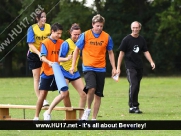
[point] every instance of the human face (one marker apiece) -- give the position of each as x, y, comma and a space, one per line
75, 35
135, 27
42, 19
56, 35
97, 27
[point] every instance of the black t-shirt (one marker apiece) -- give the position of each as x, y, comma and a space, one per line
133, 47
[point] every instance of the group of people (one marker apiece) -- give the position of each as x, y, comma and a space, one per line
46, 48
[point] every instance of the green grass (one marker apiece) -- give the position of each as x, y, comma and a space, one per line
159, 99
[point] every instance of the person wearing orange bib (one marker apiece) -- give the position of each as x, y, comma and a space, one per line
35, 35
49, 54
94, 43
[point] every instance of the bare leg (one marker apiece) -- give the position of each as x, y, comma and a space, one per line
36, 78
79, 86
56, 100
66, 100
97, 103
39, 103
90, 97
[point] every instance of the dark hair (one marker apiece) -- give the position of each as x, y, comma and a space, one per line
55, 27
74, 26
38, 15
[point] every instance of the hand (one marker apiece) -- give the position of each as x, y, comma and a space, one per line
152, 65
118, 71
50, 63
69, 57
114, 72
40, 56
71, 70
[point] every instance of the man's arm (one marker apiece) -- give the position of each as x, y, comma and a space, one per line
120, 58
149, 58
112, 61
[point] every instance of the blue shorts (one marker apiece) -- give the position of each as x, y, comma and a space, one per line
69, 76
47, 84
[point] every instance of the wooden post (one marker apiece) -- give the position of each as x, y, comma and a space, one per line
70, 115
4, 113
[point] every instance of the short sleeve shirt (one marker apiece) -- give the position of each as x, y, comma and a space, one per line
133, 47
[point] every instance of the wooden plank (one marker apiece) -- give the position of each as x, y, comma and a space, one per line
4, 106
70, 112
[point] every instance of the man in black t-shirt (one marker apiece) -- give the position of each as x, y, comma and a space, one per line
131, 48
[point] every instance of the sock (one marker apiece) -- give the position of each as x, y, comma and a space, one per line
88, 109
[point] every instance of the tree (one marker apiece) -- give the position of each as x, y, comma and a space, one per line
167, 40
73, 12
9, 14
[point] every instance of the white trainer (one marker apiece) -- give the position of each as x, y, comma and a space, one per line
46, 116
45, 103
86, 114
36, 119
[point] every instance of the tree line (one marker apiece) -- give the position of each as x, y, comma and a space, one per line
160, 21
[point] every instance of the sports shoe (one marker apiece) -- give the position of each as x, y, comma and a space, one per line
86, 114
36, 119
46, 116
135, 110
45, 103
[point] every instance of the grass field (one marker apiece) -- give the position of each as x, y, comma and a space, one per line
159, 99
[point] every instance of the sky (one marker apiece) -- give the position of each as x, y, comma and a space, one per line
89, 2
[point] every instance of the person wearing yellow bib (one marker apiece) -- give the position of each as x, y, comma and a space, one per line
35, 35
65, 53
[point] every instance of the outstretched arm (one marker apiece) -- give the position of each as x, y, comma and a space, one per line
149, 58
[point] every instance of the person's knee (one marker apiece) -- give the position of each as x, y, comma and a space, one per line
83, 95
97, 98
36, 74
43, 94
65, 94
91, 90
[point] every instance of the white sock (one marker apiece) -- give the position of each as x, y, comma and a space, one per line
36, 118
88, 109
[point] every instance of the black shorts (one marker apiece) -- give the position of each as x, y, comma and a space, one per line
95, 80
48, 84
34, 61
70, 80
